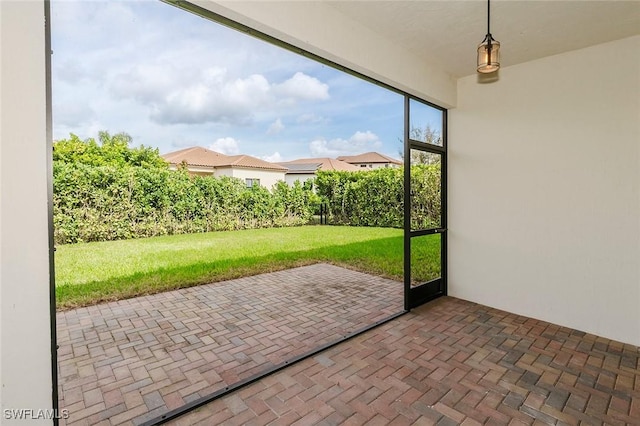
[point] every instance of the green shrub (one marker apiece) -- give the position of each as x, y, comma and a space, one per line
101, 203
106, 190
376, 197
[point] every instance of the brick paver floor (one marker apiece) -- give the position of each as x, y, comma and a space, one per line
448, 362
127, 361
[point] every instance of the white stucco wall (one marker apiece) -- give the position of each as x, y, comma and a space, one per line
544, 190
321, 29
25, 356
267, 178
302, 177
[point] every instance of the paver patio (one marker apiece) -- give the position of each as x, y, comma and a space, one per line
127, 361
448, 362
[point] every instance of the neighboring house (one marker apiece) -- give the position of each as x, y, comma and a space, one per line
254, 171
325, 163
371, 160
300, 172
304, 169
202, 161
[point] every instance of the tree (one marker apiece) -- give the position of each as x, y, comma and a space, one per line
427, 135
109, 150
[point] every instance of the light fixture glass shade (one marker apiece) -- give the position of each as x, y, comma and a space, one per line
488, 55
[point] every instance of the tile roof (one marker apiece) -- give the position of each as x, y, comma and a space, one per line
369, 157
199, 156
252, 163
325, 164
195, 156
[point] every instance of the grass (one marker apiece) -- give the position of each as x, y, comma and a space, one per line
91, 273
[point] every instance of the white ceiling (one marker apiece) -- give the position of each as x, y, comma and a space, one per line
447, 33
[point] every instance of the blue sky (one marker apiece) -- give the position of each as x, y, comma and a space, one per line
172, 80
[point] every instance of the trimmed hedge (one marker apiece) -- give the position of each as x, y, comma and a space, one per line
108, 191
376, 197
101, 203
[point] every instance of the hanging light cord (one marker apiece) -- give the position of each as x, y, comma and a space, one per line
488, 16
488, 50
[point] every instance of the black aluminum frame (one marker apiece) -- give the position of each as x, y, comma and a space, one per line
52, 278
175, 413
418, 295
412, 297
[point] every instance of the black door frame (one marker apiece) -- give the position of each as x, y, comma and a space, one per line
418, 295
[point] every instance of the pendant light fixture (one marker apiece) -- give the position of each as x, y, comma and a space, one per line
489, 49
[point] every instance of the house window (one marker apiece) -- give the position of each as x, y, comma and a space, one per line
252, 182
363, 165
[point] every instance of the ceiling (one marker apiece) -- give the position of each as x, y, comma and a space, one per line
447, 33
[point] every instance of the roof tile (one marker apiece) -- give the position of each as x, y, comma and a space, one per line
325, 164
369, 157
199, 156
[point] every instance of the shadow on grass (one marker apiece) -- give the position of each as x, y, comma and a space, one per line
382, 257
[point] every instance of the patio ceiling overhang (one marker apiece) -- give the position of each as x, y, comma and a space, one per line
434, 41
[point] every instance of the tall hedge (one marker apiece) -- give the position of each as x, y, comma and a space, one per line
98, 203
107, 190
376, 197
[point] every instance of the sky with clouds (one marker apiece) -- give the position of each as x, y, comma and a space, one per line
172, 80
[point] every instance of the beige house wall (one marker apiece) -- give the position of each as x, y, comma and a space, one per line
301, 177
544, 190
267, 178
25, 333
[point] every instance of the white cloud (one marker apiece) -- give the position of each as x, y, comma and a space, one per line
208, 96
364, 138
147, 84
228, 146
273, 158
172, 80
71, 71
302, 87
73, 113
322, 148
275, 127
94, 21
182, 96
358, 143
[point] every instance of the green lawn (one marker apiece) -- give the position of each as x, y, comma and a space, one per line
90, 273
